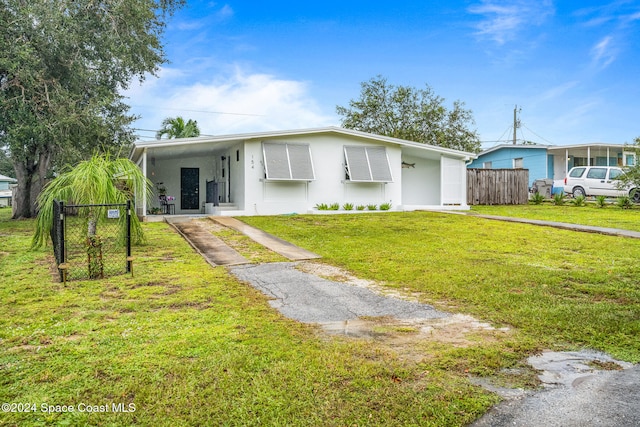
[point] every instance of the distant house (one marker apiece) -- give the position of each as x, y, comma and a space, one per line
282, 172
6, 183
553, 161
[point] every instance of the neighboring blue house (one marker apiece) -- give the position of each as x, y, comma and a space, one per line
553, 161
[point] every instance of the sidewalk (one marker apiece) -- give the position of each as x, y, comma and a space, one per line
564, 225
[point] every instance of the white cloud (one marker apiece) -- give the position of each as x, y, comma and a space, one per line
239, 102
222, 14
503, 20
604, 52
557, 91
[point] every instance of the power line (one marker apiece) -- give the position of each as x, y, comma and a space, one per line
544, 139
198, 111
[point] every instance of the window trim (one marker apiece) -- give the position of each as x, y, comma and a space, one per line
519, 160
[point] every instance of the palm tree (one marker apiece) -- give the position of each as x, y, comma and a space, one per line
178, 128
100, 180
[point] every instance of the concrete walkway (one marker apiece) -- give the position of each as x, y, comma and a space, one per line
282, 247
564, 225
212, 249
216, 252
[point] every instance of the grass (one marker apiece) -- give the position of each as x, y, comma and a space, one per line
607, 216
189, 345
557, 288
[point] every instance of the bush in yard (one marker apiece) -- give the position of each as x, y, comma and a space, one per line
347, 206
601, 201
558, 199
578, 201
624, 202
537, 198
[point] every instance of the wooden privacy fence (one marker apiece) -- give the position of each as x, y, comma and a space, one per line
497, 186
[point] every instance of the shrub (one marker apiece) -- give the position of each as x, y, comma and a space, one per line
601, 201
624, 202
537, 198
347, 206
578, 201
372, 207
322, 207
360, 207
558, 199
334, 206
385, 206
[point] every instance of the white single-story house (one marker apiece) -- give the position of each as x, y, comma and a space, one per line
292, 171
6, 195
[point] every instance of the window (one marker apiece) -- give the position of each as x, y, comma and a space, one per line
615, 173
283, 161
487, 165
629, 159
577, 172
518, 163
367, 164
582, 161
597, 173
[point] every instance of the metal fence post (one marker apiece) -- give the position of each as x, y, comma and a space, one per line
128, 239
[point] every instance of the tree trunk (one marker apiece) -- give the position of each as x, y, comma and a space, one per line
31, 181
22, 193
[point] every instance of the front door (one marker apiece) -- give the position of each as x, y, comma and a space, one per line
189, 188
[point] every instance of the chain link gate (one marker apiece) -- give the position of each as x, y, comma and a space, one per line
91, 241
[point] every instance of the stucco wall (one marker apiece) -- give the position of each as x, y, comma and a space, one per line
421, 183
269, 197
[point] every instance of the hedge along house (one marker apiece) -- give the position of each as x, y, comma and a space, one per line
284, 172
553, 161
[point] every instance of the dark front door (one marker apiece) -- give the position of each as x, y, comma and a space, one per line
189, 188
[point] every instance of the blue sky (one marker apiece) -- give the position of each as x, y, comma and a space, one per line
572, 67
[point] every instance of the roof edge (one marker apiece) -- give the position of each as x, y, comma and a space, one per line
139, 145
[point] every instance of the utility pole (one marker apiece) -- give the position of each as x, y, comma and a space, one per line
516, 122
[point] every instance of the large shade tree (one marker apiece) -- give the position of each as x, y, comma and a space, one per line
408, 113
63, 67
178, 128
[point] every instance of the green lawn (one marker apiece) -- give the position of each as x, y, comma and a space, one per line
608, 216
189, 345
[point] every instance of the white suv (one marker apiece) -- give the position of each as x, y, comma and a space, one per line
597, 181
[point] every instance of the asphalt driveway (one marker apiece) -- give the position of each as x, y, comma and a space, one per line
311, 299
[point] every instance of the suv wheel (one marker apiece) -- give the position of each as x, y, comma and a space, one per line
635, 195
579, 191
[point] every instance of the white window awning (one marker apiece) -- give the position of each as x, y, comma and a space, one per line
288, 162
367, 163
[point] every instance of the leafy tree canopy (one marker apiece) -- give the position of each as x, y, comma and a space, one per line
6, 168
178, 128
631, 178
413, 114
63, 65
